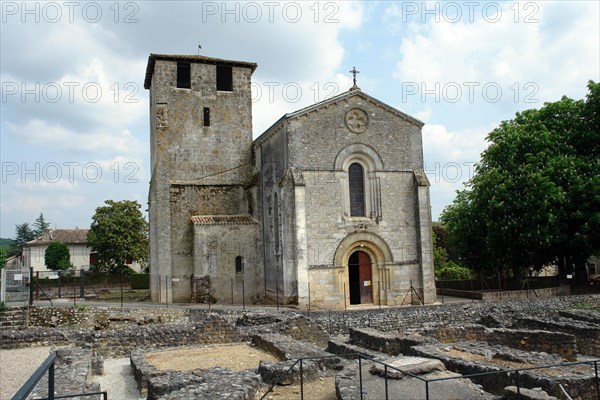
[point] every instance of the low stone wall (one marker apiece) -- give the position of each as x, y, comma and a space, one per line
563, 344
83, 316
417, 317
502, 294
388, 343
577, 386
119, 342
587, 335
212, 383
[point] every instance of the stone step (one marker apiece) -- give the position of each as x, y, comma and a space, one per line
12, 318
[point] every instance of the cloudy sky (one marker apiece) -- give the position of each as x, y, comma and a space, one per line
74, 114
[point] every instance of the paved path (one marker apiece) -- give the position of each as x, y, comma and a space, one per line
118, 380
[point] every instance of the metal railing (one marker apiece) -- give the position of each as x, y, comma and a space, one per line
514, 372
48, 366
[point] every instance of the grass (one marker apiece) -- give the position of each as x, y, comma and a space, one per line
585, 306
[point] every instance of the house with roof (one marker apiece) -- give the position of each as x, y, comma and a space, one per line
76, 240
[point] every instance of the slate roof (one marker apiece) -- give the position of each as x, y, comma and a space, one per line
68, 236
191, 58
238, 219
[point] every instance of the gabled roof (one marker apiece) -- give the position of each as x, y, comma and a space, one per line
237, 219
67, 236
326, 103
191, 58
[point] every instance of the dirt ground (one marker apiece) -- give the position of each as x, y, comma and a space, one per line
321, 389
238, 357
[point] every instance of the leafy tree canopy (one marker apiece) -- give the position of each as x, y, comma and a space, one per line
118, 233
535, 197
3, 257
23, 234
57, 257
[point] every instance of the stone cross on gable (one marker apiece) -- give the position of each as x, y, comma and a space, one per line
353, 71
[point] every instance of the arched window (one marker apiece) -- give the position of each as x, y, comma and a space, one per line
239, 265
356, 182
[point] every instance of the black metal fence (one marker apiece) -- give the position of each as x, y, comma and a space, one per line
49, 285
499, 283
514, 374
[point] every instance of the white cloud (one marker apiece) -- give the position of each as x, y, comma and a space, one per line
505, 52
55, 136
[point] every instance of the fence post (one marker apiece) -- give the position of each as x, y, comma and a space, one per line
51, 382
386, 380
345, 303
3, 286
360, 375
37, 287
82, 283
121, 288
301, 381
31, 286
308, 307
426, 390
597, 383
517, 384
277, 288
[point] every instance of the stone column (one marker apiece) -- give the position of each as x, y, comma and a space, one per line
301, 243
427, 275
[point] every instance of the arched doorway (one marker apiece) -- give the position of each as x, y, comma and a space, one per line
360, 278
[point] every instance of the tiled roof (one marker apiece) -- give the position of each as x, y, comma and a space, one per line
191, 58
239, 219
71, 236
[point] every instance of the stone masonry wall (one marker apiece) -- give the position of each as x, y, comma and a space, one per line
417, 317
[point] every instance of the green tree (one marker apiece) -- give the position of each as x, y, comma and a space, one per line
23, 234
57, 257
535, 197
118, 233
3, 257
40, 225
444, 267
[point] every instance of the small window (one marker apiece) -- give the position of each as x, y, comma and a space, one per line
93, 258
224, 78
239, 265
206, 116
183, 75
356, 182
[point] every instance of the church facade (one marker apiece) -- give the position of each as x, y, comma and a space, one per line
330, 205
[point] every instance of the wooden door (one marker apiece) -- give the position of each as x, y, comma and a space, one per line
365, 278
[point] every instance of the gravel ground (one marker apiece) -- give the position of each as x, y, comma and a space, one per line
16, 366
118, 379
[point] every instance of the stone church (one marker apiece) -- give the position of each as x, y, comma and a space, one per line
330, 205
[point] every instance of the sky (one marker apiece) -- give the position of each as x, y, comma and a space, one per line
74, 123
